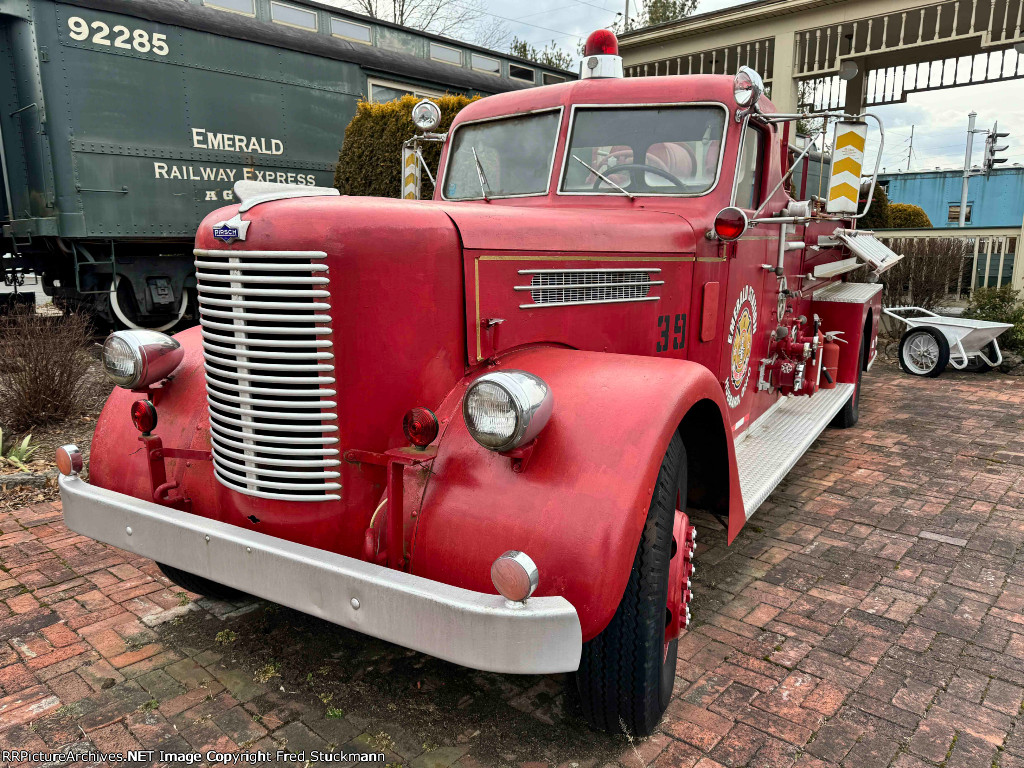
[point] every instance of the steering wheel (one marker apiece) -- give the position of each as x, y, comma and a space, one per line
616, 169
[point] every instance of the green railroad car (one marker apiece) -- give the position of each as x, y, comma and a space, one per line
124, 122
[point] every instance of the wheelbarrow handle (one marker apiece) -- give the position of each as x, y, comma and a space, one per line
894, 312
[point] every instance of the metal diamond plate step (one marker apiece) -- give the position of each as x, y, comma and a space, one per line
768, 450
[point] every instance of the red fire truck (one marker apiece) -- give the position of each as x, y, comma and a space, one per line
478, 426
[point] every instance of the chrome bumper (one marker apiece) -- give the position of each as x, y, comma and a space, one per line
469, 628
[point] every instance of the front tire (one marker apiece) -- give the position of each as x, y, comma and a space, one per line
199, 585
627, 672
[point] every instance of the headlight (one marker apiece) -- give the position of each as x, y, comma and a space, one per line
426, 115
135, 359
506, 409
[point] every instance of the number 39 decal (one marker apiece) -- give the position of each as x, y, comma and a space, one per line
129, 39
671, 333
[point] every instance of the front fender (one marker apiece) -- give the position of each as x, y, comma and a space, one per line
579, 507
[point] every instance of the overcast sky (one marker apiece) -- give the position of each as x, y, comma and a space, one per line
939, 117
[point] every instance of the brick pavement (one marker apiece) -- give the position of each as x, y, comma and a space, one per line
871, 614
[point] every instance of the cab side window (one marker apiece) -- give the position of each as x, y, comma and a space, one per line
748, 170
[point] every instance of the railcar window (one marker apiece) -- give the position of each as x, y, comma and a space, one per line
502, 158
669, 150
383, 90
485, 64
350, 30
248, 7
292, 16
550, 79
443, 53
521, 73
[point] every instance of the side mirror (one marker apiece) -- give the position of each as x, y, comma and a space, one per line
747, 88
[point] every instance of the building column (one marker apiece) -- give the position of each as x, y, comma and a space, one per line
1017, 280
784, 91
856, 90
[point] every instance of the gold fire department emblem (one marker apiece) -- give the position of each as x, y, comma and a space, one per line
742, 328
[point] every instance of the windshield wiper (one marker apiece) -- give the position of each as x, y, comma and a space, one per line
484, 186
604, 178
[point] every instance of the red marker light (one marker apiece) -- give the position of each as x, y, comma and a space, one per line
420, 427
144, 416
601, 43
730, 224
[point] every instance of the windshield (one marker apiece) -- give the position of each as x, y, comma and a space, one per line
500, 158
644, 150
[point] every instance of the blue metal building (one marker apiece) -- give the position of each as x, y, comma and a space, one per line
996, 200
995, 211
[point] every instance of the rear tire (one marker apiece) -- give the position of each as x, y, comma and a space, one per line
627, 672
850, 413
924, 351
200, 585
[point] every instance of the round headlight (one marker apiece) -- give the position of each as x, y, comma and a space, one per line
426, 115
506, 409
134, 359
747, 88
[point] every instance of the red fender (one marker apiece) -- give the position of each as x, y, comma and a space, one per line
579, 507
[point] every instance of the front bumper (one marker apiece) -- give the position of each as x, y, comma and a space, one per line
472, 629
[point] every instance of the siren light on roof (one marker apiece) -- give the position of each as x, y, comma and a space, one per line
601, 56
601, 42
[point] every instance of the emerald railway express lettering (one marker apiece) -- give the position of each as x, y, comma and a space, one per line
189, 172
230, 142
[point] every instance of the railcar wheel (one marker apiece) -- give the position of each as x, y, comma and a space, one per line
127, 315
924, 351
627, 672
199, 585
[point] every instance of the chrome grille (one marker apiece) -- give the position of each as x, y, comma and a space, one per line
563, 287
269, 360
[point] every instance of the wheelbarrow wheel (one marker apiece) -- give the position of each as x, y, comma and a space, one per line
977, 365
924, 351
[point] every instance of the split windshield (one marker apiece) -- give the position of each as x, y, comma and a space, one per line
502, 158
644, 150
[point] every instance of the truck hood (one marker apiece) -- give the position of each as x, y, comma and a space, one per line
583, 230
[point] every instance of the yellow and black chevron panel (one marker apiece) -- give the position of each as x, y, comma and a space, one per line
410, 174
847, 163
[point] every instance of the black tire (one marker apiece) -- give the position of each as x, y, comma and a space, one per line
199, 585
626, 677
850, 413
943, 354
977, 365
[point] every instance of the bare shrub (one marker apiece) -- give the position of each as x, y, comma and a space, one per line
43, 365
934, 272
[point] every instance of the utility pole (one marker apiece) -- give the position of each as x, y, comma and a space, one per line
625, 27
967, 167
910, 152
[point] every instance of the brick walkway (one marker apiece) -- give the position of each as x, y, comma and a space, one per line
870, 615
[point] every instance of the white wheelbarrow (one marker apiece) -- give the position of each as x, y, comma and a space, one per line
932, 341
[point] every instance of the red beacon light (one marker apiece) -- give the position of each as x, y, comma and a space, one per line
601, 42
601, 56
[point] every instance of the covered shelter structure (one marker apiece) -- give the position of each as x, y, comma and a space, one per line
831, 54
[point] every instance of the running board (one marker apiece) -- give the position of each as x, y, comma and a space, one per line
774, 444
